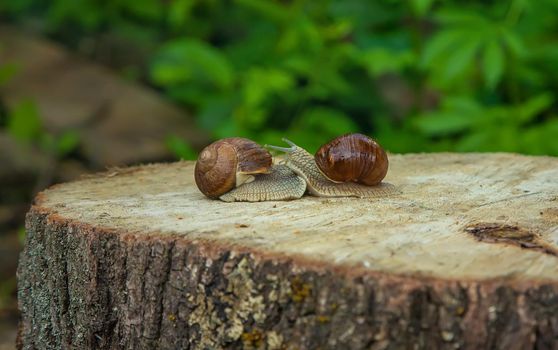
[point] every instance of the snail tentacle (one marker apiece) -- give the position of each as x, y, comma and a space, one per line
280, 149
284, 149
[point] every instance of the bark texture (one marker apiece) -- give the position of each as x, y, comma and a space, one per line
96, 281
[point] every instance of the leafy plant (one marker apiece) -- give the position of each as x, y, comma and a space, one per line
419, 75
25, 125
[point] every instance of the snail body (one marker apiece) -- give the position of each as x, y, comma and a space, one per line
280, 184
319, 184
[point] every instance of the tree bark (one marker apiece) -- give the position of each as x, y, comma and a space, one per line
464, 257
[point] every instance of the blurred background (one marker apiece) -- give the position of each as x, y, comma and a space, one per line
90, 84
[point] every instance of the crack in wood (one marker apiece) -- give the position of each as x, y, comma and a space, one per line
510, 234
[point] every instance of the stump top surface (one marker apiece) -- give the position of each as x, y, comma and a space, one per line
458, 216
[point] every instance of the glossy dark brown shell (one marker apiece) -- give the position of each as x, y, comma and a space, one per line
218, 164
353, 158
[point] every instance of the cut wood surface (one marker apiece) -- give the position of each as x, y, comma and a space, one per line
465, 256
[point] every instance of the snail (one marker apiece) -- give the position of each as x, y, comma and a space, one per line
238, 169
353, 157
351, 165
228, 163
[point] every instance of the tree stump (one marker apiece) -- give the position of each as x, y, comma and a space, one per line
466, 256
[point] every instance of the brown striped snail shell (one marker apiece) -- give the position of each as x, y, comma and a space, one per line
228, 163
353, 158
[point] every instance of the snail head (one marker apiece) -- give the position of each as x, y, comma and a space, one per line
295, 155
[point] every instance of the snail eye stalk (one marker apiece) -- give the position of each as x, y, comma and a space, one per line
283, 149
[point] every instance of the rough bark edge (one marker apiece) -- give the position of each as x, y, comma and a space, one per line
78, 288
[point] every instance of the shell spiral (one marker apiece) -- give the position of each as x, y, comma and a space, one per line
219, 163
353, 158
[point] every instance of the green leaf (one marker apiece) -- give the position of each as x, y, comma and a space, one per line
23, 121
183, 61
301, 35
260, 88
275, 11
380, 61
398, 138
475, 142
534, 106
261, 83
67, 143
462, 105
298, 63
441, 44
530, 137
180, 148
86, 14
179, 12
493, 64
337, 30
443, 123
505, 139
215, 111
461, 17
513, 42
421, 7
327, 120
250, 117
229, 129
549, 133
461, 57
145, 9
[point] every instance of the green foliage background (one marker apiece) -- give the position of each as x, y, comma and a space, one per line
418, 75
